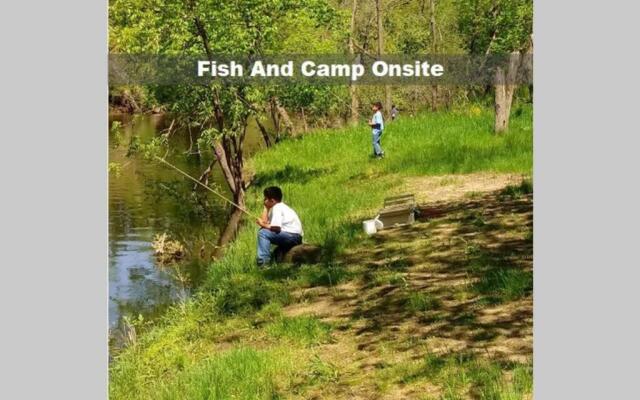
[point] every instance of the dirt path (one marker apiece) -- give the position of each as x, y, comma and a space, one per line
457, 281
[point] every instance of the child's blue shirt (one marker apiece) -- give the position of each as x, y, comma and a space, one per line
377, 119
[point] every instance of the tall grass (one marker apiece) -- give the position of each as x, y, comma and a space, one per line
242, 373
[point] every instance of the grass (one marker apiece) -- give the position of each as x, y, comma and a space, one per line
525, 187
232, 340
502, 285
242, 373
306, 330
462, 376
418, 302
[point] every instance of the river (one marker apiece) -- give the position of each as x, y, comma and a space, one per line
147, 199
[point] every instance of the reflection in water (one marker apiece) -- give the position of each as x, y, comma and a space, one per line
145, 199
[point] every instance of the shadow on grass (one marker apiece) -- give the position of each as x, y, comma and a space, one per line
289, 174
462, 273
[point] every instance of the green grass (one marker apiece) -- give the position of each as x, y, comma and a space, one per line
322, 275
329, 178
306, 330
242, 373
418, 302
501, 285
525, 187
463, 376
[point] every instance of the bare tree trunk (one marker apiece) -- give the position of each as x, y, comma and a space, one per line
231, 229
387, 87
304, 120
434, 49
387, 99
204, 177
274, 118
221, 155
265, 134
284, 116
354, 114
505, 85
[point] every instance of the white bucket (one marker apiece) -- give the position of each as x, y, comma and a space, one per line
369, 226
379, 224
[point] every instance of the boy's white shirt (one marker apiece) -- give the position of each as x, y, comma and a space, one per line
283, 216
377, 119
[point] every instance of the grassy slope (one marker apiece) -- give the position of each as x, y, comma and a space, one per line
233, 340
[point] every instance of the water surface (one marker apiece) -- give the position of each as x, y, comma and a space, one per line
145, 199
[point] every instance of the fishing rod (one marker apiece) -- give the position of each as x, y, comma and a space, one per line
205, 186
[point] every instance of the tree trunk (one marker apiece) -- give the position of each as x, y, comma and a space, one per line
284, 116
434, 49
229, 232
274, 118
265, 134
204, 177
353, 91
221, 155
387, 87
228, 149
304, 120
505, 85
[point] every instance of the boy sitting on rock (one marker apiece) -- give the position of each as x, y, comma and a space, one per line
279, 225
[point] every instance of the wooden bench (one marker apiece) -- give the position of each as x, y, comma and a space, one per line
398, 210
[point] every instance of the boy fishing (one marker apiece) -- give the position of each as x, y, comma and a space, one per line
377, 126
279, 225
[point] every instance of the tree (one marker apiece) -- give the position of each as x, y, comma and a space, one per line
353, 92
221, 110
387, 87
503, 28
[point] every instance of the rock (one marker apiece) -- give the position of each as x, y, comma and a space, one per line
300, 254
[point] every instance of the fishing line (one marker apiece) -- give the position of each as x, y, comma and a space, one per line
205, 186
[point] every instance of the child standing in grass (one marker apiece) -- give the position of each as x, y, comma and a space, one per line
279, 225
394, 112
377, 126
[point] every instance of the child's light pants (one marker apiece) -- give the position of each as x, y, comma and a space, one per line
376, 135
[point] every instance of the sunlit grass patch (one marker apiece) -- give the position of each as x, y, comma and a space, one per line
322, 371
241, 373
306, 330
269, 313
